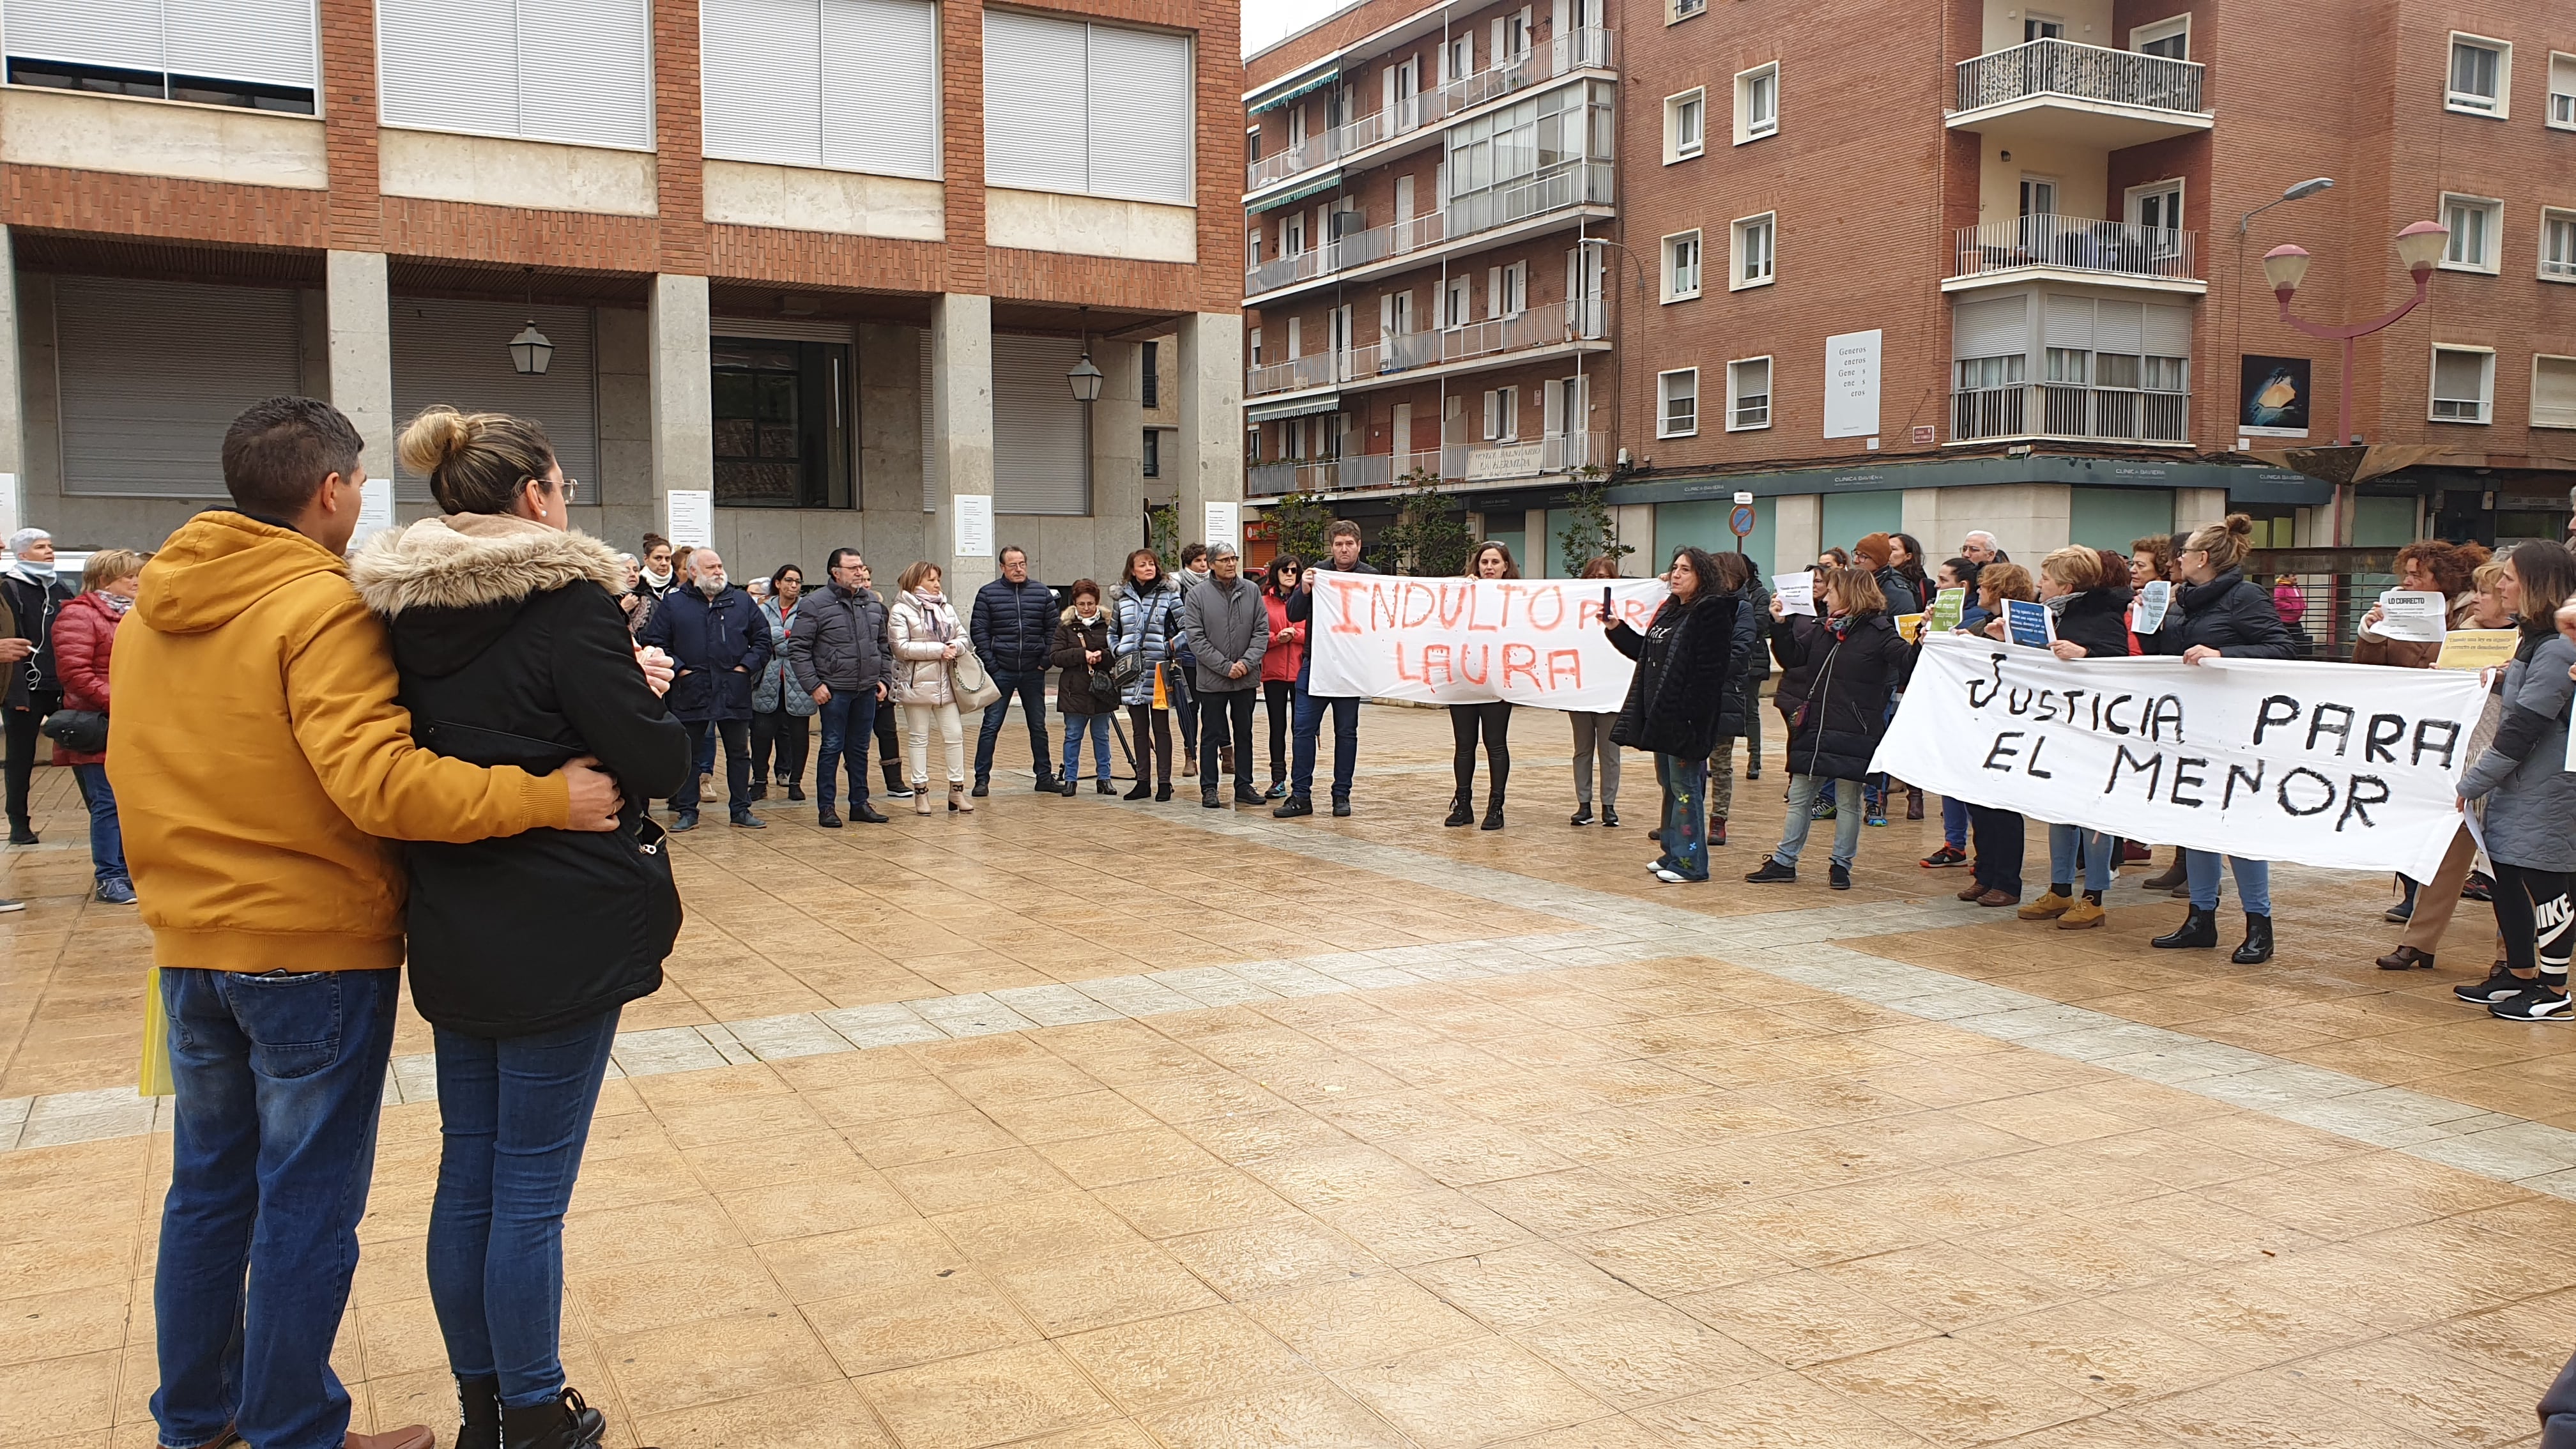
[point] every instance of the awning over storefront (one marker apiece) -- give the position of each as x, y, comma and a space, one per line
1281, 93
1293, 408
1325, 182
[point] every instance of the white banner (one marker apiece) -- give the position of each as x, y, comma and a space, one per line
2347, 766
1464, 641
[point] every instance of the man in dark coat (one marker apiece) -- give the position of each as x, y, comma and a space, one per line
1013, 629
718, 641
34, 596
837, 650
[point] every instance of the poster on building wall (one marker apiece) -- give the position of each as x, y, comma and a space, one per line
689, 517
1851, 385
2272, 397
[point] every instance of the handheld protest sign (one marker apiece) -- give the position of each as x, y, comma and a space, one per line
1468, 641
2474, 649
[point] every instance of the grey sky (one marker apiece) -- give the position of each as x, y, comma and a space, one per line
1265, 21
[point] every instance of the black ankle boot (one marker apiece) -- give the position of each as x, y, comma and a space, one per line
478, 1413
565, 1423
2199, 930
1143, 789
2258, 942
1460, 812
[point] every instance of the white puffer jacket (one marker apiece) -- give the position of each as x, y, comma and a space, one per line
920, 628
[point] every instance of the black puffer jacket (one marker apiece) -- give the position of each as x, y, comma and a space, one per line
1900, 592
1751, 613
513, 651
34, 606
1013, 626
839, 640
2098, 619
1796, 680
1757, 599
2230, 614
719, 645
1688, 663
1844, 717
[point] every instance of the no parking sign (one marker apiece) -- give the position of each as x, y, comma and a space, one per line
1741, 520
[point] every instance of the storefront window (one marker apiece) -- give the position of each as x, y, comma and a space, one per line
782, 424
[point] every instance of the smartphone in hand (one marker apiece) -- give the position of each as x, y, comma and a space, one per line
1605, 601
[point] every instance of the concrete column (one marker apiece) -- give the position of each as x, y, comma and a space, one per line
13, 410
2196, 506
1117, 521
961, 430
683, 403
1797, 530
1209, 465
891, 523
1636, 525
361, 346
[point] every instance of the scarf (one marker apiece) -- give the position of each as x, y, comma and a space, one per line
27, 570
116, 603
658, 581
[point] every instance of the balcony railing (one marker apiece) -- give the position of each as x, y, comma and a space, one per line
1587, 49
2070, 411
2079, 72
1580, 183
2075, 243
1543, 326
1475, 462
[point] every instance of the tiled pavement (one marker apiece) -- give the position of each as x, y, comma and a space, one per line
1086, 1124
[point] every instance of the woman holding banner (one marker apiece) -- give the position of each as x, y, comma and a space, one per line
2427, 566
1958, 573
2530, 795
1688, 660
1492, 719
1592, 740
1994, 878
2456, 880
2092, 622
2218, 613
1859, 659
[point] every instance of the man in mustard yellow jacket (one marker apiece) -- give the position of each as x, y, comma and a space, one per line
265, 768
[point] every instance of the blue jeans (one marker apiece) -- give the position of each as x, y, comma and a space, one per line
1803, 790
848, 720
1075, 727
513, 1115
1346, 743
106, 837
2101, 854
1030, 686
1954, 822
2253, 881
1685, 833
279, 1080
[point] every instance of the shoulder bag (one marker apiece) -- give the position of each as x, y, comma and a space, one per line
971, 687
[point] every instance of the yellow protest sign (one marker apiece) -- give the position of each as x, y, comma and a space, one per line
1911, 627
2477, 648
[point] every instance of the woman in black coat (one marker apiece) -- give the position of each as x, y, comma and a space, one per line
513, 650
1737, 715
1858, 658
1688, 661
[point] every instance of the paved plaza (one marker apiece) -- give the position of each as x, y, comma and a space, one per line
1079, 1124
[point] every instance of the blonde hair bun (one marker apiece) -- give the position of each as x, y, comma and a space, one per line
438, 434
2240, 525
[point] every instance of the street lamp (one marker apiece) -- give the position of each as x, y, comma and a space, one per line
531, 350
1084, 378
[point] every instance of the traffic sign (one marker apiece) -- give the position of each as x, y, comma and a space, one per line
1741, 520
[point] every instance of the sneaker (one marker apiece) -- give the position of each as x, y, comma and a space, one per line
1772, 871
2500, 985
898, 792
1341, 807
1674, 877
2399, 914
1824, 809
7, 906
1839, 877
743, 819
685, 820
1875, 817
1609, 818
1582, 815
1946, 856
2534, 1003
1292, 807
1278, 789
115, 893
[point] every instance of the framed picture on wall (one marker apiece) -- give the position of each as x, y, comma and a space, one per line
2272, 397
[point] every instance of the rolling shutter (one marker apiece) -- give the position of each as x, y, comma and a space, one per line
881, 86
1035, 99
455, 353
1996, 327
1140, 115
152, 373
2553, 392
269, 41
758, 60
123, 33
2115, 326
575, 71
435, 84
2070, 322
2167, 332
929, 430
1041, 435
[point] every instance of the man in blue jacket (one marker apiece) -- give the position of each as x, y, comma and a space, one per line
1013, 628
718, 641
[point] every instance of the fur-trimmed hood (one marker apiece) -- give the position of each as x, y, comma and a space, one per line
475, 561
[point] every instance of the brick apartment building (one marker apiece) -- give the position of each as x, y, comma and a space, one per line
830, 261
1894, 265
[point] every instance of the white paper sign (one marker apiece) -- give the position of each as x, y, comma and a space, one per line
2147, 615
9, 509
974, 524
689, 517
2418, 616
1851, 385
1463, 641
1224, 524
2344, 766
375, 509
1796, 592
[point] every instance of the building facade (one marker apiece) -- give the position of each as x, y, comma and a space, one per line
1892, 266
828, 261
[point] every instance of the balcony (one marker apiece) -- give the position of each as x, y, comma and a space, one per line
2088, 95
2076, 249
1588, 49
1478, 463
2070, 413
1391, 357
1528, 204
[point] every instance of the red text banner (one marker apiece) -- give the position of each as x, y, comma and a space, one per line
1465, 641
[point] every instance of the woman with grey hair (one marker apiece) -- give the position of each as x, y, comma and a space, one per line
34, 597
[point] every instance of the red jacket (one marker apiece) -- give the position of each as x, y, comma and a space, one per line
1287, 642
84, 638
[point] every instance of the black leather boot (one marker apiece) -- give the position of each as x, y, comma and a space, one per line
2258, 942
2199, 930
566, 1423
478, 1413
1494, 810
1460, 812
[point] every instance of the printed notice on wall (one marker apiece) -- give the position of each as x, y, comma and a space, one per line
375, 508
8, 503
689, 516
1224, 524
1851, 385
973, 513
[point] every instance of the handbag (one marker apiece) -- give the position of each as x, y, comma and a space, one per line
1124, 670
84, 730
969, 684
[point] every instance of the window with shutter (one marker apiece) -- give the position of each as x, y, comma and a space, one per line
2462, 384
1748, 389
573, 71
2553, 392
1677, 403
1098, 110
254, 54
152, 373
1041, 434
2481, 73
2558, 246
